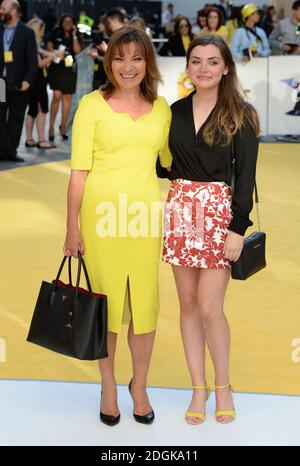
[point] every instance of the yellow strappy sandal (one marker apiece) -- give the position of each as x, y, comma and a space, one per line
199, 416
230, 414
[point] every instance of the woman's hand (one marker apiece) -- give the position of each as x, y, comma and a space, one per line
73, 242
24, 86
74, 31
59, 53
102, 47
233, 246
92, 53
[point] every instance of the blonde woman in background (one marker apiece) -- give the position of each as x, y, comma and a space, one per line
38, 99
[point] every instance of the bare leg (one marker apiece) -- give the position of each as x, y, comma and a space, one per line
66, 107
211, 292
40, 124
109, 403
54, 109
29, 127
141, 350
192, 332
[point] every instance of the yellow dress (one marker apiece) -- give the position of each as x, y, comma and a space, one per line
120, 217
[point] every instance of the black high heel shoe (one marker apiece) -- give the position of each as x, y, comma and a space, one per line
146, 418
63, 135
109, 420
51, 137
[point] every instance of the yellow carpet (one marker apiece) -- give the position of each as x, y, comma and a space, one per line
264, 312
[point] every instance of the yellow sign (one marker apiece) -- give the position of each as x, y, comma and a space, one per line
185, 87
8, 56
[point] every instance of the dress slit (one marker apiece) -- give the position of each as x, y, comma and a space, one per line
128, 314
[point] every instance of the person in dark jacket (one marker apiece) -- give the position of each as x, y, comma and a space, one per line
96, 52
178, 44
18, 67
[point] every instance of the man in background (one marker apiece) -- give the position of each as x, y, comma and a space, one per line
112, 22
286, 36
168, 15
18, 67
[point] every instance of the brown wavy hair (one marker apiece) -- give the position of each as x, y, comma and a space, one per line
231, 112
220, 16
177, 26
119, 40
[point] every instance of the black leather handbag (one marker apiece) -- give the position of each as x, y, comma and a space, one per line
70, 320
253, 255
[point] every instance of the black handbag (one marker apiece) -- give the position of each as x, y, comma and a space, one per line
253, 255
70, 320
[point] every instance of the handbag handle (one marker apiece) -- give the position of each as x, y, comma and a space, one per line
233, 167
81, 263
84, 269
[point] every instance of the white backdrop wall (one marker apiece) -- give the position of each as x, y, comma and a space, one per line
272, 85
189, 8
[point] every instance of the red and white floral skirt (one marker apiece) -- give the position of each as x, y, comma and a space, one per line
197, 215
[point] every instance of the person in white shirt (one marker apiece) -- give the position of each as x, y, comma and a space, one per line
167, 15
286, 36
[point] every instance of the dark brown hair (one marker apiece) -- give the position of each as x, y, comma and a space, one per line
231, 111
60, 24
220, 16
177, 26
116, 45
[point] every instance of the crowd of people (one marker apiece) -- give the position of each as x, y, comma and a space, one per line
43, 53
33, 59
248, 30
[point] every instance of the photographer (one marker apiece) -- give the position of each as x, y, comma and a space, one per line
286, 36
250, 41
99, 38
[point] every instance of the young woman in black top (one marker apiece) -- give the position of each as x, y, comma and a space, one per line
204, 224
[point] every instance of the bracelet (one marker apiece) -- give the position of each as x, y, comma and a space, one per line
75, 38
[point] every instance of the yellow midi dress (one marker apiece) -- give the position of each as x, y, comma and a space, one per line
120, 217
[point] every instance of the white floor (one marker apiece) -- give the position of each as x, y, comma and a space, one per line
61, 413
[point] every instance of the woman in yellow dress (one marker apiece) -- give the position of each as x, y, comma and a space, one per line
118, 133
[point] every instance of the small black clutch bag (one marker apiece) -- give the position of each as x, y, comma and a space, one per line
253, 255
252, 258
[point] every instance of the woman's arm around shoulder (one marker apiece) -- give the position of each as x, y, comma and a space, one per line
165, 156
